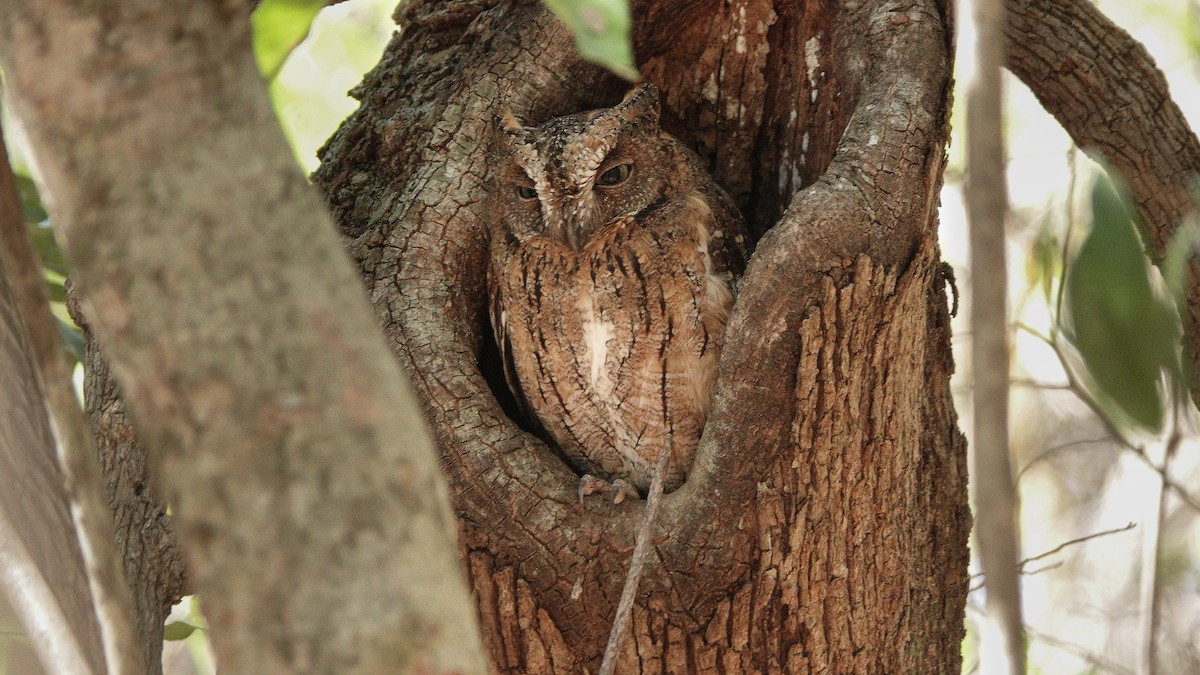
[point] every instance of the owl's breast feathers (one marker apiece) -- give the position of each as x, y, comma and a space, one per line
615, 348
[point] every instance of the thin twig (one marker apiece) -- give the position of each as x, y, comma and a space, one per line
1151, 550
1092, 658
1066, 544
1054, 450
1073, 542
1021, 325
1040, 570
1180, 491
1093, 405
1034, 384
640, 552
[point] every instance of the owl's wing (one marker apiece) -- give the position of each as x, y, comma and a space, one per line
499, 320
730, 251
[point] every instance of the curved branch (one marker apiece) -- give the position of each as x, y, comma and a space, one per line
1103, 87
874, 200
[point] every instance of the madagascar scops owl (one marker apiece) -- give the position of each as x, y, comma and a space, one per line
613, 259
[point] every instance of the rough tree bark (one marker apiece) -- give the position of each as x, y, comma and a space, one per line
823, 527
795, 538
145, 539
304, 486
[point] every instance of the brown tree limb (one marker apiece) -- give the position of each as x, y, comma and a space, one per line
1106, 91
105, 605
42, 571
145, 538
303, 482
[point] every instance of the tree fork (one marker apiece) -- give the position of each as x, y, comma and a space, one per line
824, 524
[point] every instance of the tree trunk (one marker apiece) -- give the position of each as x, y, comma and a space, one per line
42, 569
304, 486
824, 525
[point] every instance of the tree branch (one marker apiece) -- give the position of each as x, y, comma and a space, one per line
997, 508
1105, 90
90, 533
303, 482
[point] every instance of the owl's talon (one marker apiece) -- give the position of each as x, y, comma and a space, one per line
620, 488
589, 485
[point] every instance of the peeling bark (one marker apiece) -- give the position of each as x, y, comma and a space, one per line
824, 524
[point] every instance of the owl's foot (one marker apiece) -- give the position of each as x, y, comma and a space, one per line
619, 488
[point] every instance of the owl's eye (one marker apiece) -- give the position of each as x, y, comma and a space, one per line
526, 192
614, 176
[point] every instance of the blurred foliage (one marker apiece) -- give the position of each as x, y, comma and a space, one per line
1126, 332
1044, 267
601, 30
279, 27
345, 41
54, 263
178, 630
1180, 251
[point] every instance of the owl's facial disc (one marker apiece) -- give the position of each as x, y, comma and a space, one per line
584, 201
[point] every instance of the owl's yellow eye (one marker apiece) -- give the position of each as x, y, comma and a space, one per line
614, 176
526, 192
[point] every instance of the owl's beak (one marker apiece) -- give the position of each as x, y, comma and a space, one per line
571, 221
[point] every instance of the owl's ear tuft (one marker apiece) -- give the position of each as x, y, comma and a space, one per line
643, 101
507, 133
508, 122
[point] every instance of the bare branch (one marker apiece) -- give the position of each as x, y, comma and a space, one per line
641, 551
1149, 592
1056, 449
1021, 565
1076, 541
996, 502
1114, 434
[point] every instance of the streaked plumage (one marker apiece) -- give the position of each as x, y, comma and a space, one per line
612, 269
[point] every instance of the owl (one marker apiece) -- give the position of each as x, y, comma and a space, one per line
613, 258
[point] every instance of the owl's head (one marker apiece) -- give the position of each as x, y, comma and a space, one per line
571, 176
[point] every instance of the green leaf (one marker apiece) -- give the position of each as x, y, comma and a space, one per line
1127, 335
178, 630
1045, 265
31, 202
279, 26
72, 339
601, 30
46, 247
